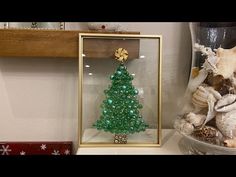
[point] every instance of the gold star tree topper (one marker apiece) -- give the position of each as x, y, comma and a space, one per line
121, 54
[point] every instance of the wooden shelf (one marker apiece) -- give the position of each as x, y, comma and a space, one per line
59, 43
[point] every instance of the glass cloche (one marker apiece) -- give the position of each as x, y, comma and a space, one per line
208, 118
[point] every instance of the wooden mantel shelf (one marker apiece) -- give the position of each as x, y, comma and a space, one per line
54, 43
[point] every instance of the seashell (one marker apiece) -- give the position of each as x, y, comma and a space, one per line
233, 82
204, 50
214, 93
230, 143
220, 84
195, 119
211, 112
210, 64
227, 62
199, 98
209, 79
184, 126
226, 103
208, 134
187, 128
226, 123
178, 123
221, 62
206, 97
227, 87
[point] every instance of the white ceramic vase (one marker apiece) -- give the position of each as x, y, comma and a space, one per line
103, 26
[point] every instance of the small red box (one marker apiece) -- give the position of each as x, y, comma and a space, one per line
36, 148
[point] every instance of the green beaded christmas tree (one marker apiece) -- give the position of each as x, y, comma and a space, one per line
120, 110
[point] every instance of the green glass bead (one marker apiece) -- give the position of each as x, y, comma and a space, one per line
123, 96
124, 87
122, 67
131, 111
112, 77
119, 72
109, 101
104, 112
136, 91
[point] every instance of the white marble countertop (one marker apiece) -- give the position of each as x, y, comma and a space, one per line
170, 141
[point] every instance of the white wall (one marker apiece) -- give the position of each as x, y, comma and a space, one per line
38, 97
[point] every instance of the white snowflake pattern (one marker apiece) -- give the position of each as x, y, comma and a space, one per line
67, 152
5, 150
43, 147
56, 152
22, 153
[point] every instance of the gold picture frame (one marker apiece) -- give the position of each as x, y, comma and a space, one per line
83, 36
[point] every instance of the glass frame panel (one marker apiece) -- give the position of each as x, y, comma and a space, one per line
83, 36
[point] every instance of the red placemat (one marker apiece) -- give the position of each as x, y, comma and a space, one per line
35, 148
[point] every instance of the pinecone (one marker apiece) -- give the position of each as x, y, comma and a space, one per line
207, 134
